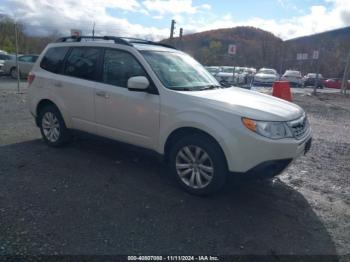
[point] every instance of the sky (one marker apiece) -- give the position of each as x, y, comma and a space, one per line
151, 19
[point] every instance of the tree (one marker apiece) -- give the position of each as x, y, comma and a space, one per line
7, 45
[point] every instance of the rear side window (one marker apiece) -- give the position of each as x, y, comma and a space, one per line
27, 59
82, 62
53, 59
119, 66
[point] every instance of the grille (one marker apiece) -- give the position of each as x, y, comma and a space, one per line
299, 126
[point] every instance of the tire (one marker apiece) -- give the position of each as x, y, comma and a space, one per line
13, 73
205, 175
52, 126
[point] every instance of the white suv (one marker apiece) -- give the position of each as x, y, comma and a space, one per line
159, 98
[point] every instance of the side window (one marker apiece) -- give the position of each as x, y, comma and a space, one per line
82, 62
53, 59
119, 66
25, 59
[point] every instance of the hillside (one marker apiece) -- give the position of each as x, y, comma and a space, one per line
27, 44
255, 47
258, 48
333, 46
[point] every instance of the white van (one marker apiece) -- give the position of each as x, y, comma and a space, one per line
154, 96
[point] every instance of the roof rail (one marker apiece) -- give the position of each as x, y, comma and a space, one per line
117, 40
129, 41
143, 41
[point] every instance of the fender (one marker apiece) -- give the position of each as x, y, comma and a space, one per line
199, 120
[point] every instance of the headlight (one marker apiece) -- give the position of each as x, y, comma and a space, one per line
273, 130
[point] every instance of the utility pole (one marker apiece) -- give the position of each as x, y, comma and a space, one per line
181, 32
93, 31
344, 83
172, 28
317, 71
17, 66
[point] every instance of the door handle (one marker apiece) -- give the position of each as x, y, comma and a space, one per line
102, 94
58, 84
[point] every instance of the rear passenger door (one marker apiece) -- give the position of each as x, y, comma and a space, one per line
75, 86
121, 114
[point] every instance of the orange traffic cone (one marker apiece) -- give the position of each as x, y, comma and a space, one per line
281, 90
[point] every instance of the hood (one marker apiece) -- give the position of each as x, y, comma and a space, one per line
249, 104
263, 75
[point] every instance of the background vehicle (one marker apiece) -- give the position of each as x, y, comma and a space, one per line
265, 76
25, 63
244, 75
225, 77
159, 98
293, 77
334, 83
214, 70
310, 79
4, 57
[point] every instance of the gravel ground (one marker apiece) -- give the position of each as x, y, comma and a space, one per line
97, 196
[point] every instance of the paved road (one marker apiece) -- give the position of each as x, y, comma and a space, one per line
96, 196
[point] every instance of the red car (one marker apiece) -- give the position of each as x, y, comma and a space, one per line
334, 83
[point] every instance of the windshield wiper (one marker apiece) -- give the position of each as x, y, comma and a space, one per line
184, 89
210, 87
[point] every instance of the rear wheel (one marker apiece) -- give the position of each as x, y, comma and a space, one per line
52, 126
13, 73
198, 164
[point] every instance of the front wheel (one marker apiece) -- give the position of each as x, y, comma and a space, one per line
52, 126
198, 164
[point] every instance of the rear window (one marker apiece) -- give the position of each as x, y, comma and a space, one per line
53, 59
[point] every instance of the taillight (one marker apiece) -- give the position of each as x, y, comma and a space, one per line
30, 78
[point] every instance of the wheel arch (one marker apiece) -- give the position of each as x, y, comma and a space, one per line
45, 102
184, 131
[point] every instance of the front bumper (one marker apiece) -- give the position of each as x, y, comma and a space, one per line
263, 82
271, 168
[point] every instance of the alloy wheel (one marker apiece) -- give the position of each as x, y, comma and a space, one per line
194, 166
51, 127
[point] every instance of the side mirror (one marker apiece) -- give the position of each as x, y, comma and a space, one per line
138, 83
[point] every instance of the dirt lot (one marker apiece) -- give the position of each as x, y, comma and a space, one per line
97, 196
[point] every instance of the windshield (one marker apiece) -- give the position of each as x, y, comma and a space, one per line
179, 71
212, 69
313, 75
267, 71
227, 69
